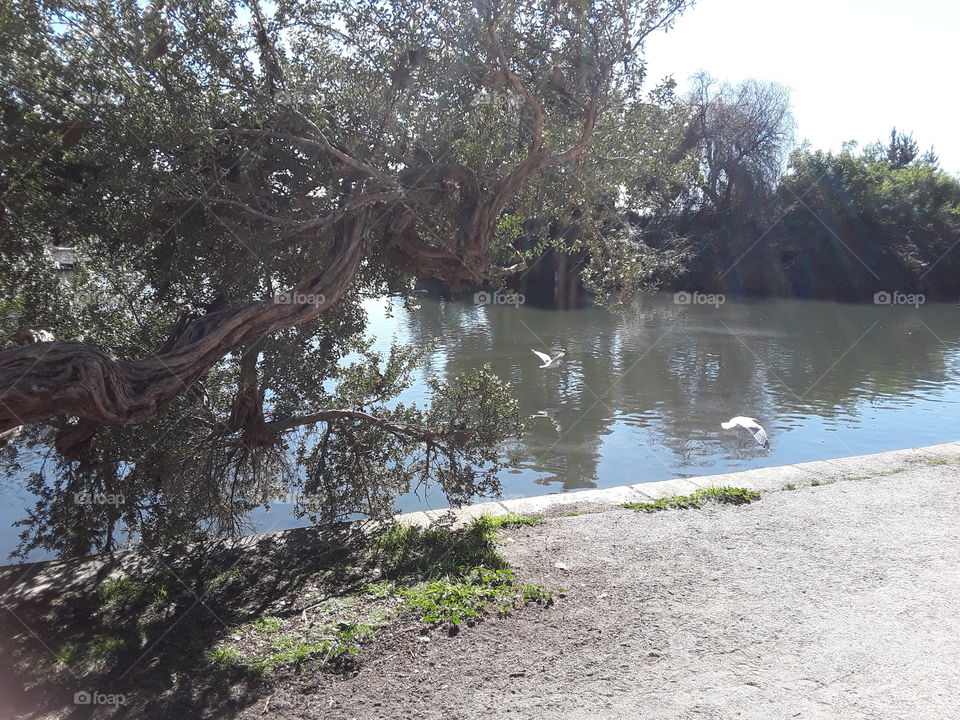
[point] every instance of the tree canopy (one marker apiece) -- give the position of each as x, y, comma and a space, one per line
235, 179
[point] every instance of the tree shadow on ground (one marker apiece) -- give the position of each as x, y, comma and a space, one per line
142, 624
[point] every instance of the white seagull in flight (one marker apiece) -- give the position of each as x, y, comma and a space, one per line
547, 360
750, 424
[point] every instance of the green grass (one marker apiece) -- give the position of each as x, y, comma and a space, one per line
452, 576
224, 656
510, 520
290, 650
728, 495
405, 551
790, 486
267, 624
125, 592
478, 592
438, 576
814, 482
102, 650
226, 577
69, 653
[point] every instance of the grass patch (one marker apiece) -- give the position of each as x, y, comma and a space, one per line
437, 576
289, 650
128, 593
790, 486
405, 551
69, 653
103, 650
815, 482
728, 495
510, 520
225, 656
267, 624
480, 591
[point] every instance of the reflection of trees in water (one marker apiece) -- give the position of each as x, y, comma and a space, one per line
661, 376
672, 372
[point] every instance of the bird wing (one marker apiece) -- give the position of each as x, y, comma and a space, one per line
734, 422
544, 357
760, 434
750, 424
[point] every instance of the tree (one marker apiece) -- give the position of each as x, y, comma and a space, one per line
902, 150
743, 133
238, 178
857, 224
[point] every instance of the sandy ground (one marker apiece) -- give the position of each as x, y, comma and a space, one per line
836, 601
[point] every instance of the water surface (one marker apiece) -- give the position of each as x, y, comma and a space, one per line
640, 394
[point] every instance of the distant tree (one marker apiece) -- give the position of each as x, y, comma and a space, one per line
866, 224
743, 133
902, 149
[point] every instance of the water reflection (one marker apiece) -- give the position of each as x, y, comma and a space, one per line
639, 395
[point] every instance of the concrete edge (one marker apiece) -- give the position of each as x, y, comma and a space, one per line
768, 479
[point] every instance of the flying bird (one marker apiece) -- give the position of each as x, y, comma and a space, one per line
547, 360
750, 424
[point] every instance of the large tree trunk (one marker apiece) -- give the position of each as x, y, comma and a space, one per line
48, 379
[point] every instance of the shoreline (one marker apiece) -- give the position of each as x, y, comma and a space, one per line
769, 479
765, 480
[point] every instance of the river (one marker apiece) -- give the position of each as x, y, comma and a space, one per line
640, 394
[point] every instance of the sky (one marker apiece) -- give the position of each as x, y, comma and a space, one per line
855, 68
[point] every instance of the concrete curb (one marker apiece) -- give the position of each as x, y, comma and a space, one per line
763, 479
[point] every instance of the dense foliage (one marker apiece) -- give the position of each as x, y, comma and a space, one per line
236, 179
843, 226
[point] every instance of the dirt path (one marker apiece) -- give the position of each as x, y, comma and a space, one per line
837, 601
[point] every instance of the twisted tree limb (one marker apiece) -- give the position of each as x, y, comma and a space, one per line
49, 379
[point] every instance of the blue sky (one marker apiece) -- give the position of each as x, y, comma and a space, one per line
855, 68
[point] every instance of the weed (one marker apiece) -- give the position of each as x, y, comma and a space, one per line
267, 624
789, 486
102, 650
350, 633
289, 650
227, 577
225, 656
69, 653
730, 495
510, 520
815, 482
124, 592
454, 600
405, 550
382, 589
